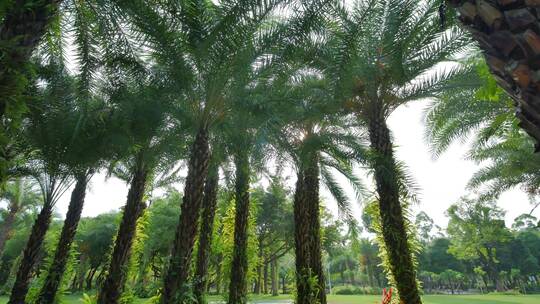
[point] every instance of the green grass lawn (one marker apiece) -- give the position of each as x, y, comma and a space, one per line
332, 299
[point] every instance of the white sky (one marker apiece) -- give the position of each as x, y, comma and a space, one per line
442, 181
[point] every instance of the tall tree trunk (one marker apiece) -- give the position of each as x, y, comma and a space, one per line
312, 193
7, 227
258, 283
174, 289
301, 240
265, 278
58, 266
239, 268
113, 286
31, 252
206, 231
508, 32
20, 31
274, 276
392, 219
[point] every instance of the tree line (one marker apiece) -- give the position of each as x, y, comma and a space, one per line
140, 89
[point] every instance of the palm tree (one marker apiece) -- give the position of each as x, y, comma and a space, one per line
91, 149
509, 37
21, 196
483, 112
382, 54
143, 120
198, 44
320, 141
47, 131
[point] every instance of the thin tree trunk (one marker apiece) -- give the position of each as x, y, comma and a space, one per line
113, 286
274, 276
392, 219
508, 33
58, 266
258, 283
174, 289
239, 268
312, 194
30, 253
301, 240
21, 30
90, 278
265, 278
206, 231
7, 228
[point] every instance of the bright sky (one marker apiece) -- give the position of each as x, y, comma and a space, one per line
442, 181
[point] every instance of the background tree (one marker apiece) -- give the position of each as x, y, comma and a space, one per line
476, 229
20, 196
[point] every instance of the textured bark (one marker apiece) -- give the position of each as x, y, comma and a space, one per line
274, 275
31, 253
392, 219
312, 194
206, 231
113, 286
174, 289
58, 266
258, 283
239, 267
265, 278
509, 35
301, 240
20, 32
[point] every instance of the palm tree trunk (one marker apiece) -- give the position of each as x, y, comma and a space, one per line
31, 253
206, 231
7, 228
301, 240
508, 32
274, 276
239, 268
21, 30
392, 219
113, 286
312, 194
174, 289
58, 266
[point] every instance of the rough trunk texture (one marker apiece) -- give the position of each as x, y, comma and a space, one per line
312, 193
258, 283
205, 235
30, 254
20, 31
508, 32
274, 271
174, 289
301, 240
7, 228
392, 219
239, 267
58, 266
112, 288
